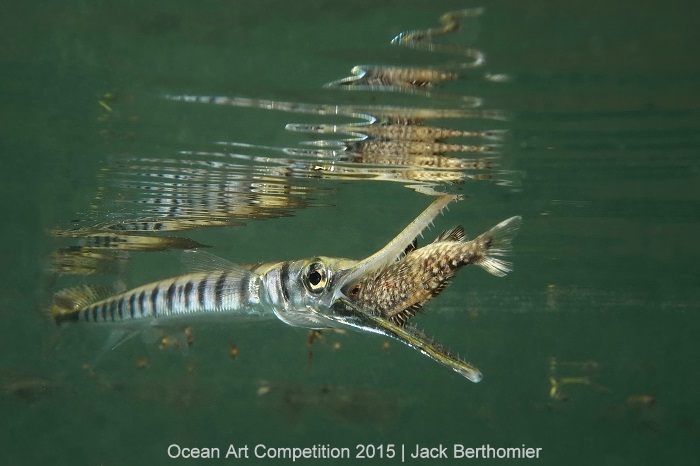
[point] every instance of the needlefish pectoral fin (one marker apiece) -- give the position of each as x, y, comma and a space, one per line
364, 320
196, 260
115, 339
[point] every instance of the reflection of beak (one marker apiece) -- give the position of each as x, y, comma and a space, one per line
349, 81
358, 75
367, 321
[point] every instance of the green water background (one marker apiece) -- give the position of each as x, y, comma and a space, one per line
605, 118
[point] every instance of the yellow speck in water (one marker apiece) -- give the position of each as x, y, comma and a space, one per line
163, 343
641, 401
142, 362
104, 105
313, 337
263, 390
557, 382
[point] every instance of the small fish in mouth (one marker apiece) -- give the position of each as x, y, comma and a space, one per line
400, 290
382, 301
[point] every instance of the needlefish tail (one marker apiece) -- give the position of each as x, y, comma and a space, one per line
417, 340
195, 294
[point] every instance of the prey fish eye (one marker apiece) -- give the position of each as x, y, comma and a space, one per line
315, 278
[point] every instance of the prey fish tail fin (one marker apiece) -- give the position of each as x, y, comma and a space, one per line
496, 243
68, 302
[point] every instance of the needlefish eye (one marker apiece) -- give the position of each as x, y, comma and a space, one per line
315, 277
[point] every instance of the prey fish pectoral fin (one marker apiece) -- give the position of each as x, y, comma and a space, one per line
411, 337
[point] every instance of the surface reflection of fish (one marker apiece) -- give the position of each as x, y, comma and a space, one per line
372, 76
349, 404
155, 225
427, 161
202, 189
136, 242
449, 22
405, 131
412, 78
211, 197
310, 293
84, 261
414, 147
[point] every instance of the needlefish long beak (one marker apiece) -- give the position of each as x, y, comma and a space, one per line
364, 320
343, 311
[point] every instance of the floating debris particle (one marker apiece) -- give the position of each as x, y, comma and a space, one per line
142, 362
641, 401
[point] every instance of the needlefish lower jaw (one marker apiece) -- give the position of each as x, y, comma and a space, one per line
366, 321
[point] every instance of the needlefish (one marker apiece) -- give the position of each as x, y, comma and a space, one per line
378, 294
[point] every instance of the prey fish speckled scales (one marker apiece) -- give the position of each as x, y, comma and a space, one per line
400, 290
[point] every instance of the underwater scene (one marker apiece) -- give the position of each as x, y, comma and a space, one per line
321, 232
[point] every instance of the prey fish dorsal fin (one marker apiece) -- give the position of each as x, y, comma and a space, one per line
68, 302
453, 234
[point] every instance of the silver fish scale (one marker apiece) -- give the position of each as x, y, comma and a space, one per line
193, 294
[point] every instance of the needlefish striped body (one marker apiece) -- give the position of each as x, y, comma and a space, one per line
260, 291
315, 293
